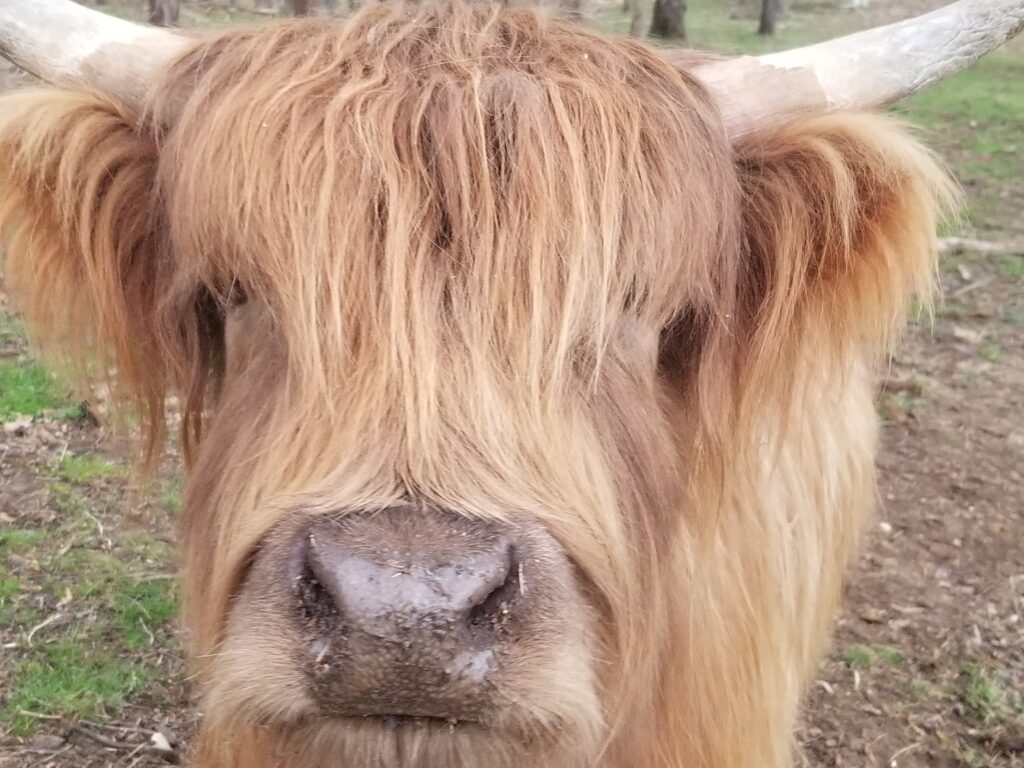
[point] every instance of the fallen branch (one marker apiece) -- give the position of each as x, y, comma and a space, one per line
100, 739
49, 621
963, 291
953, 245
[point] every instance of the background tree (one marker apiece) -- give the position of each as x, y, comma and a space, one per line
163, 13
640, 17
770, 10
668, 18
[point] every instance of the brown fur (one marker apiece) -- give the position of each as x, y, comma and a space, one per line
496, 263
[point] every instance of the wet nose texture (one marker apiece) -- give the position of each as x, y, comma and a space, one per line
408, 612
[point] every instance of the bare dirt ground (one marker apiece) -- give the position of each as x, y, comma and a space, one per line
928, 663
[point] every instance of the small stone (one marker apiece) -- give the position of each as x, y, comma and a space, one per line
161, 745
167, 733
160, 742
872, 615
885, 527
968, 335
46, 741
17, 426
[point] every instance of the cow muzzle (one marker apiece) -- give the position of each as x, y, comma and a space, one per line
413, 614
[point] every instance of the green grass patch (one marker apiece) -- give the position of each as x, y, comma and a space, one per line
978, 100
20, 539
991, 351
86, 469
973, 758
890, 655
27, 389
67, 499
9, 587
1012, 266
170, 495
143, 609
984, 693
709, 26
859, 656
10, 328
136, 605
88, 669
70, 678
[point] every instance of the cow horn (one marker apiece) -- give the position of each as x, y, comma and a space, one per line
65, 43
860, 71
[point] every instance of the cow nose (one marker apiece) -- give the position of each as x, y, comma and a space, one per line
375, 591
407, 612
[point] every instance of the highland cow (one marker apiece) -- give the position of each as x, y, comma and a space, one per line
525, 375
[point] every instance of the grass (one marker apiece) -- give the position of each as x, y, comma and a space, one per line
974, 759
709, 26
141, 606
87, 468
1012, 266
90, 666
991, 351
974, 119
170, 495
985, 693
17, 539
860, 656
890, 655
27, 389
73, 679
103, 586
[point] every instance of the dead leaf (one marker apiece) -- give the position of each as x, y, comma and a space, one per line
872, 615
968, 335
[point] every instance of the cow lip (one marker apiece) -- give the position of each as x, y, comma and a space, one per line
395, 722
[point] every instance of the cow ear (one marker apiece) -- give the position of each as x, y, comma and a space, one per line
77, 211
840, 216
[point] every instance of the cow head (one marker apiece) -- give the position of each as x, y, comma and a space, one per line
524, 375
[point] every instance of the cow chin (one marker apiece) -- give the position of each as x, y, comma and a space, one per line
360, 744
338, 652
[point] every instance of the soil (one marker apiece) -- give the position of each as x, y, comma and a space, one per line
927, 669
938, 593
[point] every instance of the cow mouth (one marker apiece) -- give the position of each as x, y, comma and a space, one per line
408, 722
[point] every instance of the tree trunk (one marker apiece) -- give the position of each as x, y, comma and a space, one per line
640, 18
300, 7
668, 19
573, 9
769, 14
163, 13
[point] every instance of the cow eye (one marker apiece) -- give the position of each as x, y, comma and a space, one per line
680, 346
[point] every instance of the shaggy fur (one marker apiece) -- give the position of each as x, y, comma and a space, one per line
494, 262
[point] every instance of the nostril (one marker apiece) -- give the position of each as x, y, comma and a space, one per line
316, 604
495, 610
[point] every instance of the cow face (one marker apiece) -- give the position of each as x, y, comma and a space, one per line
528, 419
